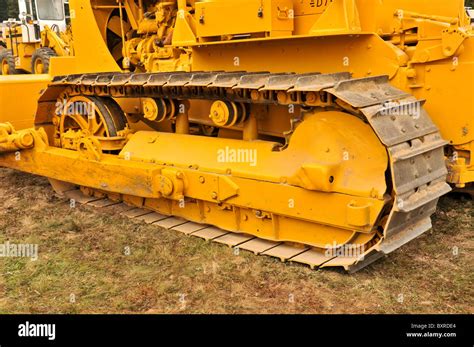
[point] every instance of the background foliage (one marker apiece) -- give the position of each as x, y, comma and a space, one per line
8, 9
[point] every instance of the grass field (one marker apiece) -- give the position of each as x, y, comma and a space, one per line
93, 262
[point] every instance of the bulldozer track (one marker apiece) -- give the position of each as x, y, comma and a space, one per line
413, 143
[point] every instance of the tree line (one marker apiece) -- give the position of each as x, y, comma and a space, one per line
8, 9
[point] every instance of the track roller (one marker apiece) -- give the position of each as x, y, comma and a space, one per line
228, 113
159, 110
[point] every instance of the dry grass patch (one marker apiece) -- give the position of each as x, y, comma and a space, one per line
82, 255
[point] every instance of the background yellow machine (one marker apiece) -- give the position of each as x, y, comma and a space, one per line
331, 126
41, 33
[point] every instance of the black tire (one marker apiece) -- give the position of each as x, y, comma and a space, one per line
42, 55
7, 61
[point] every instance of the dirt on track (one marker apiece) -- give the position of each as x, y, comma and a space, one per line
94, 262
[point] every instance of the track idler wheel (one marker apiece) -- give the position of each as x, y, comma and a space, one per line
80, 116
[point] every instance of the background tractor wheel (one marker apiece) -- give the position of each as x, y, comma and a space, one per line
40, 60
7, 62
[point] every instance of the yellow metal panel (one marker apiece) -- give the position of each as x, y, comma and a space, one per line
90, 50
217, 18
378, 16
305, 8
339, 18
362, 55
350, 157
448, 87
19, 96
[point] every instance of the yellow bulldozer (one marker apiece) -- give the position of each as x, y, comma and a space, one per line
27, 44
321, 132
